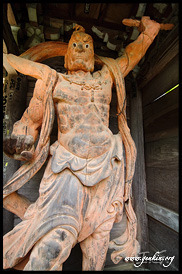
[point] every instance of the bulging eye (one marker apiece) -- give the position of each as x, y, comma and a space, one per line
74, 45
87, 46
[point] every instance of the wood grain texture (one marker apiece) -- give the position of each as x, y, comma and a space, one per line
139, 180
14, 95
161, 83
163, 215
162, 238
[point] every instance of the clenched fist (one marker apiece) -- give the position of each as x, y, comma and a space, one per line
19, 147
149, 27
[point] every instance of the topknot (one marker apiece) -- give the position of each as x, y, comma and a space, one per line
78, 28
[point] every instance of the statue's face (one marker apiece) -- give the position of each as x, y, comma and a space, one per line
80, 53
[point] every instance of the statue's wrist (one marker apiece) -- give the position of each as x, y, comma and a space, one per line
151, 37
151, 33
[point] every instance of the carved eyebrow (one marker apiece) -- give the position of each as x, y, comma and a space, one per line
87, 39
84, 39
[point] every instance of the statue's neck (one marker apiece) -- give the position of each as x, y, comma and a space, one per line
80, 73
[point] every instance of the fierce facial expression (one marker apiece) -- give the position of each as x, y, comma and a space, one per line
80, 53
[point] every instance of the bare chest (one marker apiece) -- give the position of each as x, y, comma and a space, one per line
77, 91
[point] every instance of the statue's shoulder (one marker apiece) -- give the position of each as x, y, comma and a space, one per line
63, 76
105, 72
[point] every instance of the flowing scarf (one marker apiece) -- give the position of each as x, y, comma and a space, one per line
126, 245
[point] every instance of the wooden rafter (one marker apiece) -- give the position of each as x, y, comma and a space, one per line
7, 34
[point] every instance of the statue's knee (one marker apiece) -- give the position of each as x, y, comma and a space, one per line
55, 246
43, 254
50, 250
53, 243
65, 237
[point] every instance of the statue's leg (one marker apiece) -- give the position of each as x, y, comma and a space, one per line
94, 248
51, 251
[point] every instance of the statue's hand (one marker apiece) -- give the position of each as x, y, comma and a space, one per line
149, 27
19, 147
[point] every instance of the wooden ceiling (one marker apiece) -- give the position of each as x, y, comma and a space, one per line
33, 23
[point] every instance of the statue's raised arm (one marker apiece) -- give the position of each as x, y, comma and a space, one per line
136, 50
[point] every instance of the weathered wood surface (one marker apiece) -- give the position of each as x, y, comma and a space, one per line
9, 102
14, 97
163, 215
161, 83
139, 179
111, 193
161, 125
162, 161
30, 190
164, 127
162, 106
163, 153
162, 186
163, 238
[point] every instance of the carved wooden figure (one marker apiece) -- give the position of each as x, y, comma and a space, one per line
85, 187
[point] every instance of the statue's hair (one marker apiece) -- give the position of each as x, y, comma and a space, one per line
78, 28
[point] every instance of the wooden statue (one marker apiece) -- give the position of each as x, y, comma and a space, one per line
85, 187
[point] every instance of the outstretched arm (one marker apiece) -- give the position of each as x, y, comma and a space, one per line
25, 131
20, 145
27, 67
137, 49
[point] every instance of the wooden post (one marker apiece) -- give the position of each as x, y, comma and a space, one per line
139, 181
14, 102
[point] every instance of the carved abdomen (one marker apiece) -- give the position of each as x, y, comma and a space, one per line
87, 139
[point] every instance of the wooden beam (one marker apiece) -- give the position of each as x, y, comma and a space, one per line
90, 21
102, 12
161, 83
10, 70
7, 34
32, 14
5, 50
161, 107
164, 127
10, 16
163, 215
73, 7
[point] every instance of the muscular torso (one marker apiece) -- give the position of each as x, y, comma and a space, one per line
82, 106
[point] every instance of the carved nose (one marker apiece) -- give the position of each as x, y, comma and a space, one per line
80, 47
